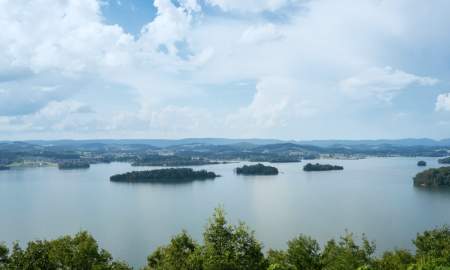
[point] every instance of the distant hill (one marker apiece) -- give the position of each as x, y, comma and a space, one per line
284, 147
210, 150
19, 146
157, 142
395, 142
241, 143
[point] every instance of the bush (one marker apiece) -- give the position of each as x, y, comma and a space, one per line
78, 253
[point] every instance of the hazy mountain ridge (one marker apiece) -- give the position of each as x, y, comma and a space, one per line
251, 141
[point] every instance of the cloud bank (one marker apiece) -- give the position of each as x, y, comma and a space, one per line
272, 68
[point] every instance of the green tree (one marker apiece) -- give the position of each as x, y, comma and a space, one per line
248, 250
304, 253
277, 266
218, 238
433, 248
428, 264
346, 254
229, 247
4, 251
278, 260
182, 253
434, 243
76, 253
395, 260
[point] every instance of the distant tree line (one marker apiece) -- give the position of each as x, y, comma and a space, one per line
321, 167
257, 169
73, 164
273, 158
164, 175
171, 160
199, 154
234, 247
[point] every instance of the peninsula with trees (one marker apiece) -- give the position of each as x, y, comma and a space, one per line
439, 177
257, 169
444, 160
321, 167
171, 175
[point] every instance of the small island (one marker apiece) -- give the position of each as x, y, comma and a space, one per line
321, 167
3, 168
421, 163
444, 160
71, 165
171, 175
433, 178
257, 169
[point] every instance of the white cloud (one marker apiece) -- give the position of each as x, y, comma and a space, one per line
25, 97
170, 25
190, 5
249, 5
175, 120
67, 36
443, 102
56, 109
56, 116
276, 103
306, 61
382, 83
261, 33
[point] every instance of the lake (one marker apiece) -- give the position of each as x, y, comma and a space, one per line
373, 196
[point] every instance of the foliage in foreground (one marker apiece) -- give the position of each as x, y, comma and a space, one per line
79, 253
236, 248
230, 247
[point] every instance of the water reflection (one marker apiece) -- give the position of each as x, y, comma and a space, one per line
169, 182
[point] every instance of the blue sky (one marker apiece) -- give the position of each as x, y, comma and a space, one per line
131, 15
289, 69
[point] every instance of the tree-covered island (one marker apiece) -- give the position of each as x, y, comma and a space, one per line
170, 175
444, 160
257, 169
321, 167
421, 163
70, 165
433, 177
3, 168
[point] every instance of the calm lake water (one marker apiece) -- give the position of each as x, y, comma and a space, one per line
374, 196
